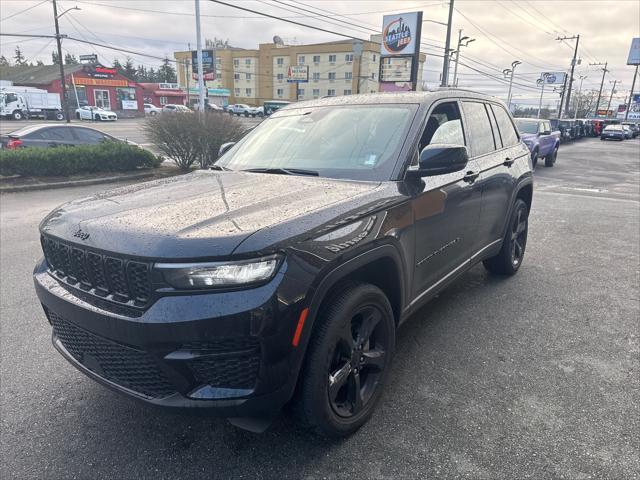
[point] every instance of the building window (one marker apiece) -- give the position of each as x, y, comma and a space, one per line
236, 91
247, 62
300, 92
316, 59
332, 59
332, 76
374, 57
247, 76
316, 76
373, 76
347, 92
236, 62
348, 75
280, 92
316, 92
126, 98
247, 92
236, 76
331, 92
280, 61
280, 77
300, 59
348, 57
163, 100
102, 99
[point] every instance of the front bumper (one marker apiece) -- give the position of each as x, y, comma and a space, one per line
230, 352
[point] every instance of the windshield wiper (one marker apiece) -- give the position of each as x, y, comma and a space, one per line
218, 167
283, 171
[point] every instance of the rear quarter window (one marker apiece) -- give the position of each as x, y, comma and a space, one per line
507, 129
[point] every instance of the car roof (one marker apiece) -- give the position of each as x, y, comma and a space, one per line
423, 98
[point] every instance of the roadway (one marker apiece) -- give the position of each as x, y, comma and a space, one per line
536, 376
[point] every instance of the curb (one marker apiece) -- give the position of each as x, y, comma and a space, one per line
75, 183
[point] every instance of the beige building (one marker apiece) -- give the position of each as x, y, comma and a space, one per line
254, 76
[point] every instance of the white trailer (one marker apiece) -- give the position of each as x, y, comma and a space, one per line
20, 102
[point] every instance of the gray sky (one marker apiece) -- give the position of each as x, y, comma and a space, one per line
505, 30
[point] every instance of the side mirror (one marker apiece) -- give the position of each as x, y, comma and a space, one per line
438, 159
546, 132
224, 147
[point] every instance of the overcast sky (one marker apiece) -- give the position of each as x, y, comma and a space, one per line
504, 30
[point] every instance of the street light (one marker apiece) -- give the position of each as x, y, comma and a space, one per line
508, 72
575, 114
68, 10
542, 81
462, 42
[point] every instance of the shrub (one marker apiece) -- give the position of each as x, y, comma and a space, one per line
65, 160
188, 138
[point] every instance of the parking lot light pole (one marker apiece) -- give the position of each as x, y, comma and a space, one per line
199, 56
63, 85
541, 81
510, 72
575, 114
462, 42
611, 96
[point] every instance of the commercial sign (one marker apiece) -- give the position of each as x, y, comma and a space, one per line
553, 78
401, 34
100, 82
129, 105
208, 64
298, 74
102, 72
91, 58
634, 52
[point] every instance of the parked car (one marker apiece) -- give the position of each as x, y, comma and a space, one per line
95, 113
613, 132
542, 142
151, 109
628, 133
173, 108
246, 110
635, 128
53, 135
300, 284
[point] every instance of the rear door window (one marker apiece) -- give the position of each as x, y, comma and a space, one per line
507, 128
58, 134
478, 128
86, 135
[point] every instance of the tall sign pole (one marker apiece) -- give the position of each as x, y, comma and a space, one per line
200, 66
447, 47
633, 86
564, 89
633, 59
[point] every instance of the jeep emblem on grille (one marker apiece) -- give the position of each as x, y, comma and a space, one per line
80, 234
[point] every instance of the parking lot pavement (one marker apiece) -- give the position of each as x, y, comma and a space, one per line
535, 376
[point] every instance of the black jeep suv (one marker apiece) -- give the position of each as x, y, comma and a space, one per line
283, 272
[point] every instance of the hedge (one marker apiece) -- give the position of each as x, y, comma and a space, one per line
65, 160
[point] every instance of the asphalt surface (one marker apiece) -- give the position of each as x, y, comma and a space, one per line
535, 376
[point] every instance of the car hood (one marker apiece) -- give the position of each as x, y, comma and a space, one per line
202, 214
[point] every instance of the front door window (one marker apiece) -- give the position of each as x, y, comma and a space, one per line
102, 99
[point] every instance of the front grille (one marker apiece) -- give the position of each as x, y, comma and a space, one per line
228, 371
117, 279
125, 366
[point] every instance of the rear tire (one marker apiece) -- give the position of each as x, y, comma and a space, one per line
550, 160
509, 259
348, 360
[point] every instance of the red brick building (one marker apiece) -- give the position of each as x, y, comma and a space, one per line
160, 94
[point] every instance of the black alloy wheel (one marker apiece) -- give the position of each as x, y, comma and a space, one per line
511, 254
519, 237
348, 358
550, 160
534, 158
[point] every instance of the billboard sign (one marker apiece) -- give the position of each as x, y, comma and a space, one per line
298, 74
208, 64
553, 78
400, 34
634, 52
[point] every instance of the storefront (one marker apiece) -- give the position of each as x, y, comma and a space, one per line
160, 94
217, 96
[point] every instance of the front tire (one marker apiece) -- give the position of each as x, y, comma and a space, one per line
59, 116
18, 115
534, 158
509, 259
96, 118
550, 160
348, 360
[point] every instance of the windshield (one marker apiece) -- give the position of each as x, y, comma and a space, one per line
526, 126
359, 142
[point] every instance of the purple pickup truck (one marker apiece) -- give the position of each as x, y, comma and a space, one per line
542, 142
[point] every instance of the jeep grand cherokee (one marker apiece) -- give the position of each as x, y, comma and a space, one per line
284, 271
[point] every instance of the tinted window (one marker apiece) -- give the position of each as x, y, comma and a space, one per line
507, 130
443, 126
57, 133
478, 128
87, 135
527, 126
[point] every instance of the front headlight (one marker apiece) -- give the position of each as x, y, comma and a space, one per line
219, 274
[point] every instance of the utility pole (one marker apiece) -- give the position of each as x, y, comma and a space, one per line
186, 70
611, 96
575, 115
467, 41
200, 66
573, 64
633, 85
564, 89
510, 72
447, 47
543, 81
604, 72
65, 103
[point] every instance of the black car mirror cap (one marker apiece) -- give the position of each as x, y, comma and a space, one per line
438, 159
224, 147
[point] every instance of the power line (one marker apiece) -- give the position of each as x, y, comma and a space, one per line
23, 11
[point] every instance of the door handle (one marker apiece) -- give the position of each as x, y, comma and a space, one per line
471, 176
508, 161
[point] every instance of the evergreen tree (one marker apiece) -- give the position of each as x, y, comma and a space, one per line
3, 61
141, 74
166, 73
18, 57
40, 63
152, 76
129, 70
70, 59
117, 65
54, 58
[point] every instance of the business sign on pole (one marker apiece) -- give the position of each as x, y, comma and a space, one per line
634, 52
208, 64
298, 74
400, 51
553, 78
90, 58
634, 108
